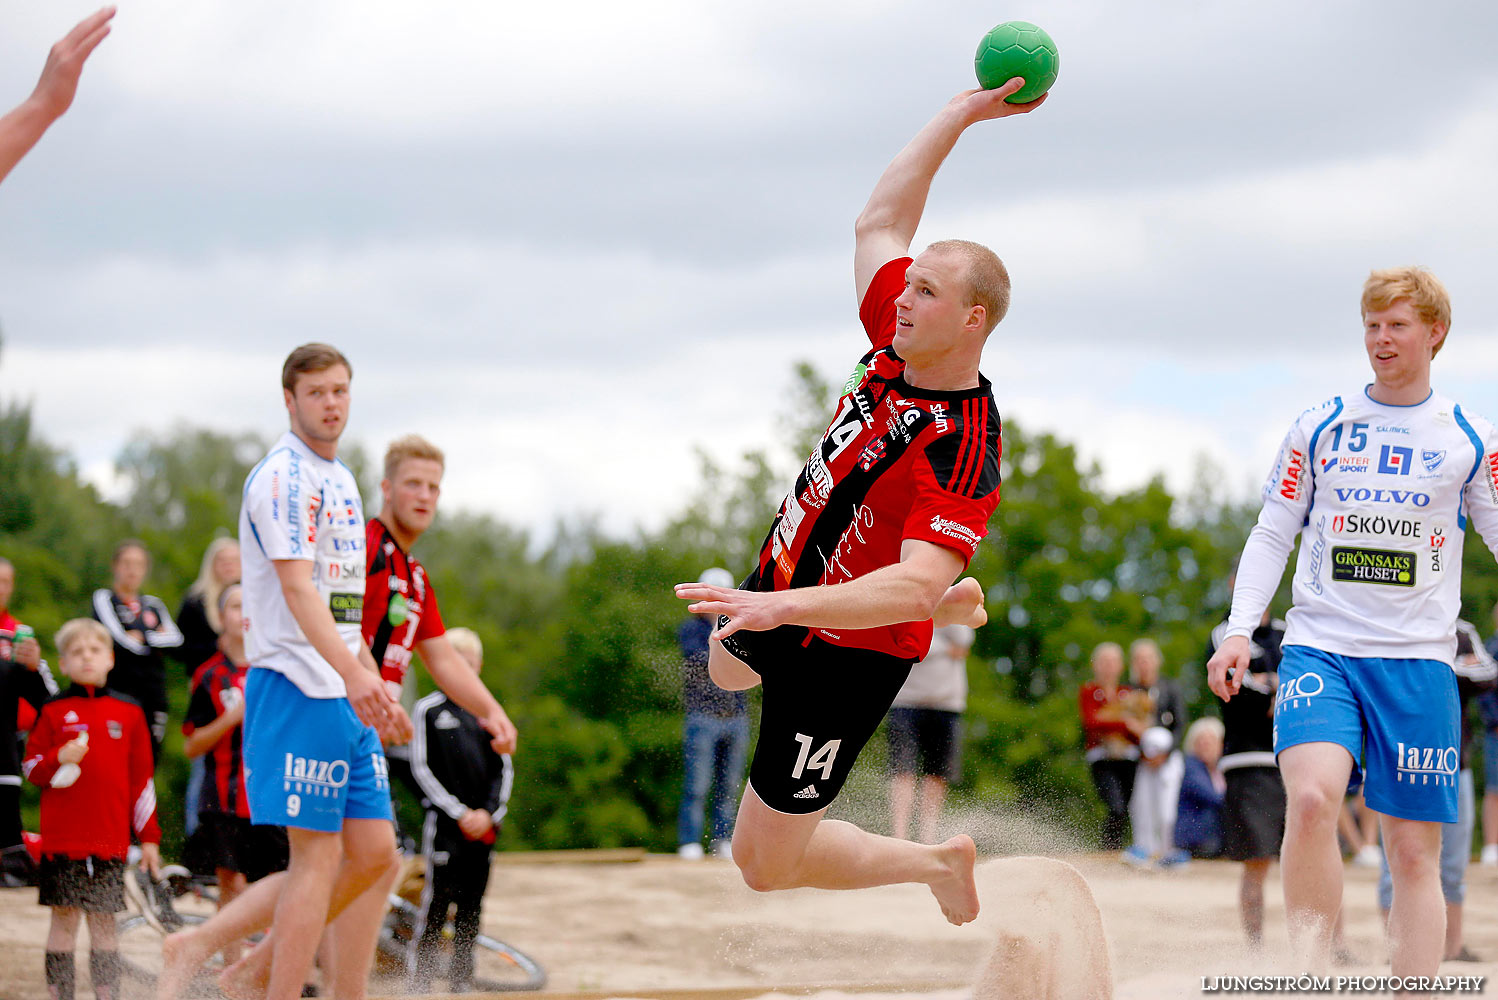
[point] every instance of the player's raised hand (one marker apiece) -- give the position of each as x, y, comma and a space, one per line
1227, 666
748, 609
59, 82
502, 731
983, 105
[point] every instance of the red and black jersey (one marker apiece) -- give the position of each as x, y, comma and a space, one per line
896, 462
114, 794
400, 607
218, 686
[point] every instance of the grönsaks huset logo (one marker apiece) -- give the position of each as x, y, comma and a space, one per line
1394, 569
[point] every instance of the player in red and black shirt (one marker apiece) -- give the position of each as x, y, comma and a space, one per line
400, 606
239, 851
862, 556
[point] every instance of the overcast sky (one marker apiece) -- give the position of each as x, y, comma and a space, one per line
570, 241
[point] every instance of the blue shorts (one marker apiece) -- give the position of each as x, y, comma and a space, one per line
1399, 717
309, 763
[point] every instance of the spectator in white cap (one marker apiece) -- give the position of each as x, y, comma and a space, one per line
1152, 809
715, 739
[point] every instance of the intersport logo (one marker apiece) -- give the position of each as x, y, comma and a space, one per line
1364, 495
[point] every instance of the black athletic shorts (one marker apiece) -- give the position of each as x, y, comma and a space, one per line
237, 845
821, 704
925, 741
94, 885
1253, 813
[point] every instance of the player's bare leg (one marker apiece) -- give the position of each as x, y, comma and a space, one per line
781, 851
356, 929
1310, 863
933, 797
962, 604
728, 671
1417, 920
301, 911
901, 804
1251, 900
183, 953
250, 977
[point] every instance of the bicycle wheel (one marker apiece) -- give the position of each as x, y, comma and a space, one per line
502, 967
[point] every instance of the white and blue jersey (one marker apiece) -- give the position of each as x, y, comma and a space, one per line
300, 506
1380, 496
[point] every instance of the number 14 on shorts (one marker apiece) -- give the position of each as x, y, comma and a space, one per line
819, 761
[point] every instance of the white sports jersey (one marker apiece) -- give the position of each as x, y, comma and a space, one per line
298, 505
1381, 496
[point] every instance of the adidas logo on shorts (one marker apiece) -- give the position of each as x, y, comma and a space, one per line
809, 792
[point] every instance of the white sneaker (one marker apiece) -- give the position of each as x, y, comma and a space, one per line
723, 849
1370, 856
1490, 855
689, 852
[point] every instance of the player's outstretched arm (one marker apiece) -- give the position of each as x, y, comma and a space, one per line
907, 591
888, 222
458, 681
22, 127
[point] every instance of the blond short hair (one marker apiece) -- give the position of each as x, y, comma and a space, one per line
1206, 725
468, 645
1106, 647
311, 358
75, 629
1423, 290
987, 278
410, 446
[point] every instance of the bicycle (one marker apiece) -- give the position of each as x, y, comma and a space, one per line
500, 967
140, 931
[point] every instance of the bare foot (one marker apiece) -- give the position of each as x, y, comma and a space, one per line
956, 892
182, 955
962, 604
247, 978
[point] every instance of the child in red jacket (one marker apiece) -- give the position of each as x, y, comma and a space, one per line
90, 751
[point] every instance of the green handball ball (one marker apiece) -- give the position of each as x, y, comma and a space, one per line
1017, 48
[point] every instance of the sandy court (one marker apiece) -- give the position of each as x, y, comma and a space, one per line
668, 926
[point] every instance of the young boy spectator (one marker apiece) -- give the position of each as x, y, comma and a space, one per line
239, 851
90, 752
467, 789
1152, 807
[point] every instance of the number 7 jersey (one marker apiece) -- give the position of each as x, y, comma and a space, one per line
1381, 496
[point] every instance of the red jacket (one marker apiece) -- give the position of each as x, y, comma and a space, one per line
1091, 700
114, 795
